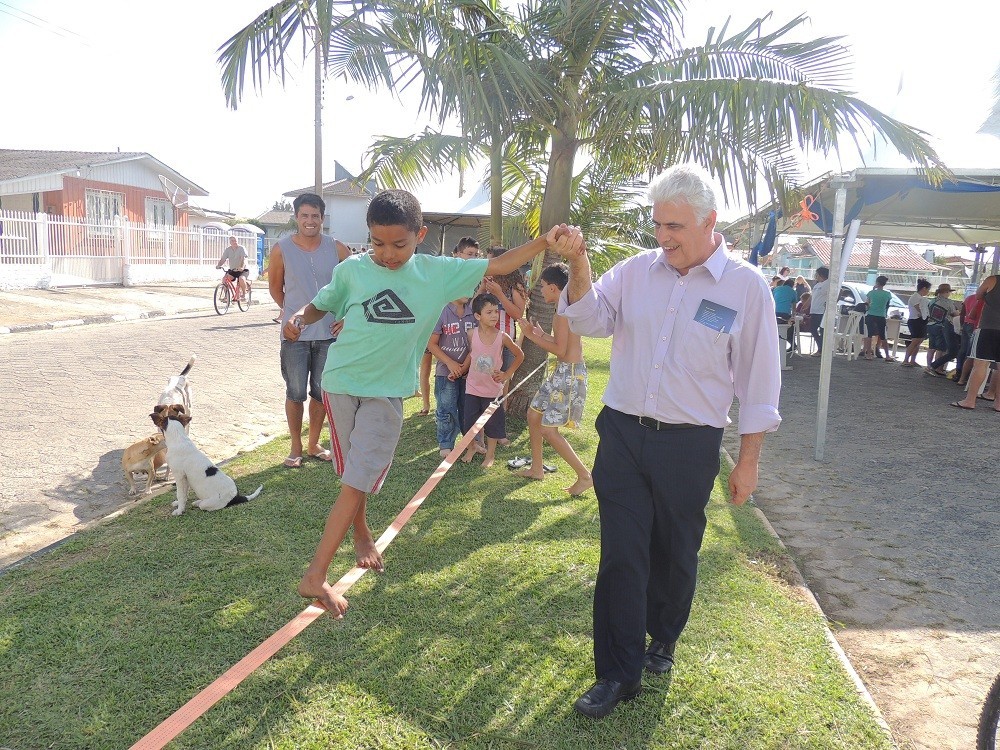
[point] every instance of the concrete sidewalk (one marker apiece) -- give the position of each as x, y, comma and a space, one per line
44, 309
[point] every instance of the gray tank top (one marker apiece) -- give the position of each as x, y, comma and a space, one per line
991, 310
305, 274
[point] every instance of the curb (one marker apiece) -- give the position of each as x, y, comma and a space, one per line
168, 485
95, 319
798, 582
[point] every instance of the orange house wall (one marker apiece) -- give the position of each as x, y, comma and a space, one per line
71, 200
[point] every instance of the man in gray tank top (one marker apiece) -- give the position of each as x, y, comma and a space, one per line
299, 266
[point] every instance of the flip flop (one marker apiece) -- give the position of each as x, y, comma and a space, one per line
423, 412
323, 455
523, 462
292, 462
985, 399
959, 406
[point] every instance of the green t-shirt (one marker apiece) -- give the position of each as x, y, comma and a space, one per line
388, 318
878, 302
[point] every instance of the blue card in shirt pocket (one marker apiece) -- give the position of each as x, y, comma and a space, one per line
714, 316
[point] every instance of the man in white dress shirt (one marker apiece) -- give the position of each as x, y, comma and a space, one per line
693, 327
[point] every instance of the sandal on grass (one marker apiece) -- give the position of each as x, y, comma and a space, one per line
292, 462
523, 462
323, 455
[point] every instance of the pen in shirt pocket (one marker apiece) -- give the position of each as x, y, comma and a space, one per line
719, 334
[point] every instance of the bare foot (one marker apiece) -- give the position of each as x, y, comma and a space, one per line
467, 457
444, 452
332, 602
366, 555
487, 463
530, 474
580, 486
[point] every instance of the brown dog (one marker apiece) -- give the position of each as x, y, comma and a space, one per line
147, 455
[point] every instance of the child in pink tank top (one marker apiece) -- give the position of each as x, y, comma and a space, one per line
486, 374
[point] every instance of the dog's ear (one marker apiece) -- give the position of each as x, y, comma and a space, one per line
158, 418
183, 418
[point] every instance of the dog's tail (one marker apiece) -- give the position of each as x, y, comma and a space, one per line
244, 498
190, 364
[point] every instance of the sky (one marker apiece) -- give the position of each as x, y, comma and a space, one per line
142, 76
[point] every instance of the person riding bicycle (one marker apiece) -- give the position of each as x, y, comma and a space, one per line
236, 256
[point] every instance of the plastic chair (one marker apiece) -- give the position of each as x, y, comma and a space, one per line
848, 338
798, 338
892, 326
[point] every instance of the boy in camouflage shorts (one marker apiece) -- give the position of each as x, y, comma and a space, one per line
560, 399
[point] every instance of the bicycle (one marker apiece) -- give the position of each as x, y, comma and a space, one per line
227, 291
986, 738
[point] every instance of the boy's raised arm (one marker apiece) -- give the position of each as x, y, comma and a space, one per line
511, 260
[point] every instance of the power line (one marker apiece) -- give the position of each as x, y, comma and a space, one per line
52, 28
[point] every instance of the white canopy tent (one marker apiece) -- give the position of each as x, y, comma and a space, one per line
890, 204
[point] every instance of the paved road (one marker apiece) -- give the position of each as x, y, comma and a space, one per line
896, 533
73, 399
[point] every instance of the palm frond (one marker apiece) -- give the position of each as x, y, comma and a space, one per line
410, 161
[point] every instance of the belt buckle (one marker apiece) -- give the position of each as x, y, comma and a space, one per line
654, 426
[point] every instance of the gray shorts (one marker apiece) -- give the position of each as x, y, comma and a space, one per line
561, 397
364, 433
302, 364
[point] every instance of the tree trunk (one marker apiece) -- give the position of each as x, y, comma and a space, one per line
496, 191
555, 210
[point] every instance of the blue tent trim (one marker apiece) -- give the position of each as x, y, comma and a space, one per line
763, 248
877, 189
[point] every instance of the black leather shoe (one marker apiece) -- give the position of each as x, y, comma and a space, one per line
659, 657
603, 696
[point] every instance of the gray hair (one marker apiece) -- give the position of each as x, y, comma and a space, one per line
685, 183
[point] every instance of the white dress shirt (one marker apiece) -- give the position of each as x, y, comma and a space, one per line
817, 303
667, 365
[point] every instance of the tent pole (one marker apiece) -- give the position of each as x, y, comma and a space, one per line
830, 315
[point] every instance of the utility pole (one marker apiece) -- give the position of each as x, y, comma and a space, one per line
319, 116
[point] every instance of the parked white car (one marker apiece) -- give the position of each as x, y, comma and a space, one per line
853, 293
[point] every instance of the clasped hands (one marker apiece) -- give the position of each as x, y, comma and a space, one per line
567, 241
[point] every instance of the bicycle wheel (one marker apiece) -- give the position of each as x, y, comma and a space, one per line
222, 299
987, 737
244, 302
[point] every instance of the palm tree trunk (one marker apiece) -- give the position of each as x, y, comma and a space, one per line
496, 192
555, 210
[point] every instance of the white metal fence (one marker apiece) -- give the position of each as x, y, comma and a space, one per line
46, 250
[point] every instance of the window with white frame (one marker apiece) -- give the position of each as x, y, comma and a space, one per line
159, 213
103, 207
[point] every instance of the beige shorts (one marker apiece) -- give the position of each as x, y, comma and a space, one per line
364, 433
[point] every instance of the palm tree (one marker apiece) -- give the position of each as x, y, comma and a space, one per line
552, 79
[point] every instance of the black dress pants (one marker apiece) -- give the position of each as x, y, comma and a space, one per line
652, 488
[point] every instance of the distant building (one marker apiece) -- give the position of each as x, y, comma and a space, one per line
897, 260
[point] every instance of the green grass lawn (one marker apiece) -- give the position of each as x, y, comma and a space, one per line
477, 636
